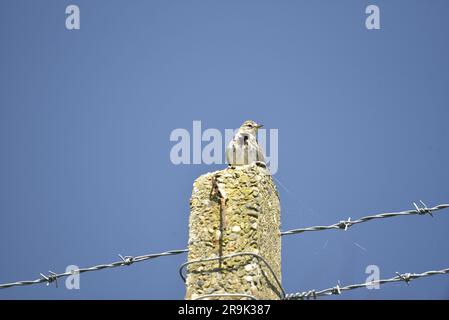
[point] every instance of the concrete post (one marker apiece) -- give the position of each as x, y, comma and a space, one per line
234, 222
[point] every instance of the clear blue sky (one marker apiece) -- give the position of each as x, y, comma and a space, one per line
85, 119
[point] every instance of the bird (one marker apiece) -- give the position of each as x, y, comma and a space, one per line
244, 148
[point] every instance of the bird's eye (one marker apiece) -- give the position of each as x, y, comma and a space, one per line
250, 125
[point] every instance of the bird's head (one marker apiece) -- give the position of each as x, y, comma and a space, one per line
250, 127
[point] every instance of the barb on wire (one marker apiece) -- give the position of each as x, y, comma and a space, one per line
52, 277
344, 225
338, 289
125, 261
128, 260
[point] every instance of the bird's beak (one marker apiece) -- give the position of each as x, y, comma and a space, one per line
259, 126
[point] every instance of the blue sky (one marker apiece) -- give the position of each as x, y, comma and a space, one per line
86, 115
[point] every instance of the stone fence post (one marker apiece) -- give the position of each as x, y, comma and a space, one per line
234, 225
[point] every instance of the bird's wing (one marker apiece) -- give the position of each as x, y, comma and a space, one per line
260, 156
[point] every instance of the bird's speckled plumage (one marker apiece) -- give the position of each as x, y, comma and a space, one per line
244, 148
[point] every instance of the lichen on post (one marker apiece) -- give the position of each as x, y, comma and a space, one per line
234, 222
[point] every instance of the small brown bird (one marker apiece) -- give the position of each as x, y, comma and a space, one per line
243, 148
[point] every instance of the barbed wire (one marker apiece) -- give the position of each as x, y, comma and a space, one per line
128, 260
125, 261
345, 224
338, 289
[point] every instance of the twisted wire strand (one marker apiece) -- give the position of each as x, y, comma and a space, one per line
128, 260
125, 261
345, 224
406, 277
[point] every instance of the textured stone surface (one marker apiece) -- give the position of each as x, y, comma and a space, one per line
246, 220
